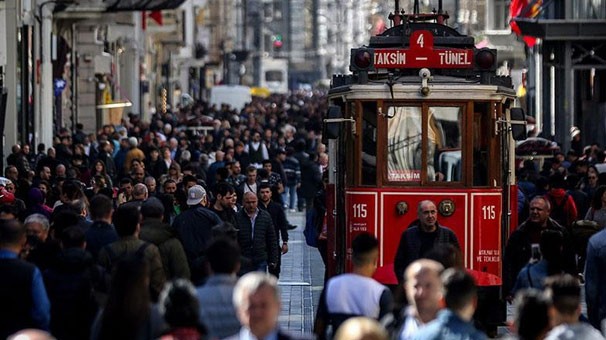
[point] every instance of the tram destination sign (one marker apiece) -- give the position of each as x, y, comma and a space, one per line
422, 54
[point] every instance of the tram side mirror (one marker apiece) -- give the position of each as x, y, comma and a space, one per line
332, 129
518, 124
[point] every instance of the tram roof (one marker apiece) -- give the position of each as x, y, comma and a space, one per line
450, 92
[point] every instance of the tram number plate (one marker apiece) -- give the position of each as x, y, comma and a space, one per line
422, 54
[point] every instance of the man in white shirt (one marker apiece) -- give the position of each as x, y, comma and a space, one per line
356, 293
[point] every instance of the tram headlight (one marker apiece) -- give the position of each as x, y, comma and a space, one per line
361, 59
486, 59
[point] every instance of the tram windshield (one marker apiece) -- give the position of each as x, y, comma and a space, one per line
443, 126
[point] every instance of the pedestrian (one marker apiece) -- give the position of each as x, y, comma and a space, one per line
256, 235
179, 308
194, 230
257, 302
70, 283
128, 226
224, 203
564, 292
361, 328
101, 231
341, 298
25, 303
279, 222
595, 279
292, 171
523, 244
420, 238
456, 320
217, 310
563, 209
534, 273
531, 314
423, 288
154, 230
128, 313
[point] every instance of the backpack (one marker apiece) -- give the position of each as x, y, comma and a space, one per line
559, 212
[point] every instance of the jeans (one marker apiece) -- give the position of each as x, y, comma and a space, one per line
289, 196
262, 267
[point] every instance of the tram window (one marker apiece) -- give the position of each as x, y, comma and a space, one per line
404, 151
444, 144
369, 144
481, 131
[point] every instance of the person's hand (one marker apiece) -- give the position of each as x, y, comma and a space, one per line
284, 248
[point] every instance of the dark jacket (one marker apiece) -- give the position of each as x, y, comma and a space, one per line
263, 247
409, 248
129, 245
311, 177
278, 219
98, 236
173, 256
69, 284
519, 251
194, 229
16, 296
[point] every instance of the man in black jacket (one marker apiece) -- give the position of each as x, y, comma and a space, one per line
279, 221
194, 228
421, 238
256, 235
523, 244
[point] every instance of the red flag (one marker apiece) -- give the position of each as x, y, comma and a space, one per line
524, 9
157, 16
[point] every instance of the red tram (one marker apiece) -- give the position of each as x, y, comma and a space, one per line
423, 116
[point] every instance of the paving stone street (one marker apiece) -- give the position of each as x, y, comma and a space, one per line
301, 280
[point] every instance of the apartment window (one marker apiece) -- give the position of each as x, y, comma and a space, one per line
499, 15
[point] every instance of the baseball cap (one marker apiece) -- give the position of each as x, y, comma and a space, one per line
195, 195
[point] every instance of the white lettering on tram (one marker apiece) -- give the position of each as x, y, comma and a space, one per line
396, 57
454, 58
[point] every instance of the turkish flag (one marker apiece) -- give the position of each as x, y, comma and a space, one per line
523, 9
156, 15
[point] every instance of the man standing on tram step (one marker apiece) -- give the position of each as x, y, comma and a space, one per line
279, 221
356, 293
420, 238
256, 235
523, 244
194, 230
